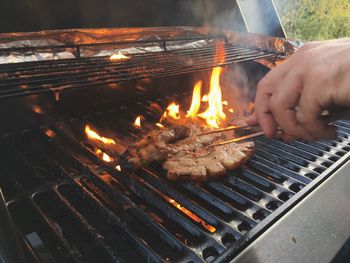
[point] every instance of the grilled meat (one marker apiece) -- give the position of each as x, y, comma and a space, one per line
155, 145
187, 155
207, 162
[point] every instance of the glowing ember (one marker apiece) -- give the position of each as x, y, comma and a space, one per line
225, 103
137, 122
231, 110
104, 156
118, 168
50, 133
205, 98
95, 136
196, 101
159, 125
187, 212
57, 96
37, 109
118, 57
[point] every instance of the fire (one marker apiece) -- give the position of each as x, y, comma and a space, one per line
95, 136
104, 156
50, 133
205, 98
159, 125
214, 115
118, 168
37, 109
196, 101
118, 57
187, 212
137, 122
173, 110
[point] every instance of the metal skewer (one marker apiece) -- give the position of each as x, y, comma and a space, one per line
238, 139
230, 128
329, 117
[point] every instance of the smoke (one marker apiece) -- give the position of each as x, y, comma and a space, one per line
238, 90
219, 13
254, 16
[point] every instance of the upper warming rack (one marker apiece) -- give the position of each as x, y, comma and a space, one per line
90, 64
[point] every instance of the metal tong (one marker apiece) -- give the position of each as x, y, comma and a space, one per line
255, 130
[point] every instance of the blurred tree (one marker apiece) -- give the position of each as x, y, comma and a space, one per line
315, 19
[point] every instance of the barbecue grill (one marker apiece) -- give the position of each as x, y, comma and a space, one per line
67, 203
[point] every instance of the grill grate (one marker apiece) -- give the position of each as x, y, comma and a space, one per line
28, 78
84, 210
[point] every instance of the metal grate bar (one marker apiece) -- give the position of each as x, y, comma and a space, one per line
22, 79
120, 214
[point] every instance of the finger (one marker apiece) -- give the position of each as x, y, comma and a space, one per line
265, 89
251, 120
287, 137
263, 114
283, 103
309, 111
316, 127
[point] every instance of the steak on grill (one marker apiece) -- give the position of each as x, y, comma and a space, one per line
206, 161
188, 155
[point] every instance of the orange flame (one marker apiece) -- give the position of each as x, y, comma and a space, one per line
214, 115
104, 156
118, 57
187, 212
174, 111
95, 136
205, 98
159, 125
196, 101
137, 122
50, 133
37, 109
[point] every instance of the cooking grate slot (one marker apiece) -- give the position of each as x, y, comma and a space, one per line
161, 220
33, 222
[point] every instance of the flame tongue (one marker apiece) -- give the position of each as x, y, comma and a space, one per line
137, 122
95, 136
214, 115
104, 156
174, 111
196, 101
118, 56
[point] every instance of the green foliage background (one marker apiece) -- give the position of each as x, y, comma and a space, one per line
315, 19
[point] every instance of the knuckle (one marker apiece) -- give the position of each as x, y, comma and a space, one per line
302, 118
274, 104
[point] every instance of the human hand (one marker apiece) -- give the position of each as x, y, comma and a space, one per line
293, 95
